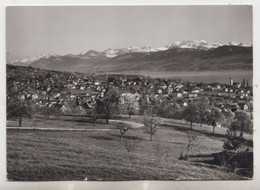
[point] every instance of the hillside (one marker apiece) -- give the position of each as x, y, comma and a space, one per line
222, 58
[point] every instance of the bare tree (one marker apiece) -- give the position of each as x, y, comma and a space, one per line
151, 123
192, 144
123, 128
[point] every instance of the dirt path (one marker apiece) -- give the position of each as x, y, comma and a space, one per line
55, 129
134, 125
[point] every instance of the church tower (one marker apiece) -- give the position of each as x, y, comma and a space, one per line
231, 82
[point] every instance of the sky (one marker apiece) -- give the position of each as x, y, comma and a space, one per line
32, 31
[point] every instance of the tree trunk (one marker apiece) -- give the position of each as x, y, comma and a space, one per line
191, 125
151, 137
95, 121
20, 118
107, 116
20, 121
241, 133
214, 129
129, 115
94, 118
201, 124
121, 137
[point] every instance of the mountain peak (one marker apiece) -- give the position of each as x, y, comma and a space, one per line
111, 53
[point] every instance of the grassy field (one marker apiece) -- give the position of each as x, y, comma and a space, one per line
99, 155
63, 122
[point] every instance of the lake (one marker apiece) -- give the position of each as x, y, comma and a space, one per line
199, 76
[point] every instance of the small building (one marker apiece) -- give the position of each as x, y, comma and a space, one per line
82, 88
179, 95
245, 107
193, 95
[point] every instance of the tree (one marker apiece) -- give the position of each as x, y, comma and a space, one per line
242, 123
123, 128
49, 110
143, 102
129, 103
213, 116
192, 144
94, 113
250, 108
18, 103
151, 123
70, 108
201, 110
166, 108
190, 113
227, 120
91, 108
109, 103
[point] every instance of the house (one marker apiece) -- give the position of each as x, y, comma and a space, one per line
164, 86
170, 90
35, 96
57, 95
82, 88
195, 91
244, 106
178, 87
179, 95
193, 95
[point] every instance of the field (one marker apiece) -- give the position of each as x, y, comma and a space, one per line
99, 154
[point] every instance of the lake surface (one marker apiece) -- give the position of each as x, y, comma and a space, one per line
201, 76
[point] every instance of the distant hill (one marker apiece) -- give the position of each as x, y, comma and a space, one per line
227, 57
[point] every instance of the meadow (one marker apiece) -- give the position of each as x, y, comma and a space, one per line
99, 155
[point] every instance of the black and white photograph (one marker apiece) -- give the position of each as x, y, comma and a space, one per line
124, 93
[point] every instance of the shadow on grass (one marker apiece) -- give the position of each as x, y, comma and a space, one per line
102, 138
128, 137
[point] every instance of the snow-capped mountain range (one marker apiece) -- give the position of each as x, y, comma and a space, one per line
111, 53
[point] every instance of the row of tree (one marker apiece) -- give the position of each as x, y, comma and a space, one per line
201, 111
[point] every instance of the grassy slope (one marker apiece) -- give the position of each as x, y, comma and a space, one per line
99, 155
182, 125
64, 122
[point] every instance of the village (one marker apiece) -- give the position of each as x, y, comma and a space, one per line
77, 91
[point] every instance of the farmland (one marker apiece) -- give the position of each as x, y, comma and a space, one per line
99, 155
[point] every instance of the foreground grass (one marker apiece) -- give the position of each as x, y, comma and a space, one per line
99, 155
